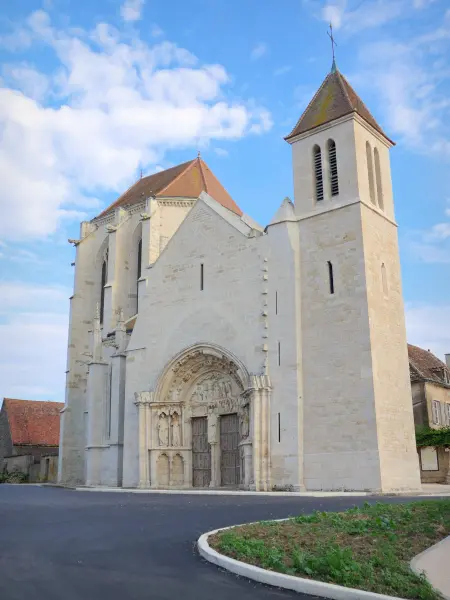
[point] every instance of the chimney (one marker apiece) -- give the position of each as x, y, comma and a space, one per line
447, 360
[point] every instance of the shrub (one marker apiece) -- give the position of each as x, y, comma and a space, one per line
15, 477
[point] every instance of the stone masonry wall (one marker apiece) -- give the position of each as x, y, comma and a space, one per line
176, 313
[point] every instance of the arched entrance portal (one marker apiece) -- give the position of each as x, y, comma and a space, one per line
197, 429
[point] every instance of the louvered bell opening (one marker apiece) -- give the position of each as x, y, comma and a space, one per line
318, 173
334, 183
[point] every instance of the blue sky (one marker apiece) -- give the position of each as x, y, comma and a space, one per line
91, 92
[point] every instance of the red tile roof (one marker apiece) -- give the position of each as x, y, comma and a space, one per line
334, 99
424, 366
187, 180
32, 422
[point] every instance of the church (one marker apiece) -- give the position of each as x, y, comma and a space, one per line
208, 351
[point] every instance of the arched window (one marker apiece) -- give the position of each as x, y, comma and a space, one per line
384, 281
318, 176
139, 270
102, 289
378, 179
332, 167
370, 172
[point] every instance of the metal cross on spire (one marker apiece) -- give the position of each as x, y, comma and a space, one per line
333, 44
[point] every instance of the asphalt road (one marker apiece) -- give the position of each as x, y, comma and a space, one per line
58, 544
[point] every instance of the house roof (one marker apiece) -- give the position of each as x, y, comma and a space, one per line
32, 422
425, 366
334, 99
187, 180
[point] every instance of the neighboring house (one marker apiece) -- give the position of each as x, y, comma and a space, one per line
206, 350
430, 386
29, 438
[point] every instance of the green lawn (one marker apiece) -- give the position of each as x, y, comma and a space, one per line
367, 548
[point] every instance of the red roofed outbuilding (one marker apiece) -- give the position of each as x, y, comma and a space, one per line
28, 428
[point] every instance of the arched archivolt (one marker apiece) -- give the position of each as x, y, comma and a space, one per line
195, 365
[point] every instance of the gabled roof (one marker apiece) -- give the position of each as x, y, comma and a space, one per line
334, 99
425, 366
187, 180
33, 423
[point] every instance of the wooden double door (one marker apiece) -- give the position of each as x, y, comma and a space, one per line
201, 453
229, 451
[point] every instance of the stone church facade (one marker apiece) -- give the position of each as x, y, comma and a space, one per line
208, 351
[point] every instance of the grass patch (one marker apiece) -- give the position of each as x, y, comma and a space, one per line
368, 548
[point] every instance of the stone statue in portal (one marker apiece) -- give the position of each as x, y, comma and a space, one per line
245, 422
163, 430
176, 430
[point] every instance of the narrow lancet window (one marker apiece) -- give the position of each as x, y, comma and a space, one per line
102, 289
333, 170
201, 277
331, 277
370, 172
318, 175
138, 272
378, 179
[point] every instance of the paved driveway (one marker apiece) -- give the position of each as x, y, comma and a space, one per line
58, 544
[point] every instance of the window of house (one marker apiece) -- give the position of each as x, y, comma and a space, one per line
370, 172
447, 407
332, 166
378, 179
318, 175
436, 412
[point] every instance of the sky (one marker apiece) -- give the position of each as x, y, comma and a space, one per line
93, 92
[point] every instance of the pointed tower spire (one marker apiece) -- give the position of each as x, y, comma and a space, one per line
334, 99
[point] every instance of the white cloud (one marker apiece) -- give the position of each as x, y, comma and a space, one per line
431, 245
426, 327
113, 104
33, 327
131, 10
422, 3
333, 12
156, 31
282, 70
439, 232
221, 152
27, 79
356, 16
407, 78
259, 51
21, 255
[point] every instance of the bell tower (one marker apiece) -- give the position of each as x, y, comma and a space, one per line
356, 390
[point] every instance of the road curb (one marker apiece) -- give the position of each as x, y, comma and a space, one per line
310, 494
205, 492
288, 582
